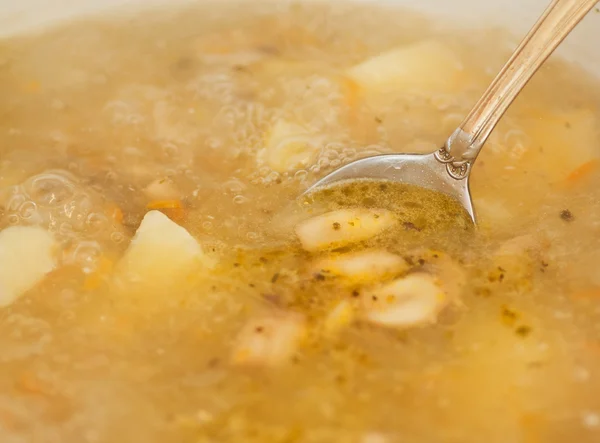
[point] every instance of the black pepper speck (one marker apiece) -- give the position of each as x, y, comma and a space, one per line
567, 215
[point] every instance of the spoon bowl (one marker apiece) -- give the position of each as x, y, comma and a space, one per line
424, 170
447, 170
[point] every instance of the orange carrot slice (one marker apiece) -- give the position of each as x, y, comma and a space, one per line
583, 171
171, 208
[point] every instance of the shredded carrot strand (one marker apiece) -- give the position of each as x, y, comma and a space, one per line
95, 279
587, 294
31, 87
164, 204
115, 213
171, 208
8, 420
530, 426
351, 92
583, 171
31, 384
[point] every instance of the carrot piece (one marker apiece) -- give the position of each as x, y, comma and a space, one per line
351, 96
582, 172
31, 384
171, 208
586, 294
31, 87
530, 426
164, 204
9, 421
593, 347
115, 213
95, 279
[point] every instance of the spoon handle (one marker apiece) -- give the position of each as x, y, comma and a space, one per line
556, 23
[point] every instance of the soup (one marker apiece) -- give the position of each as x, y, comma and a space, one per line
161, 282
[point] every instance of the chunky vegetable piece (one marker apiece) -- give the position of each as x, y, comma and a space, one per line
425, 66
342, 227
451, 275
161, 252
269, 340
513, 263
363, 265
413, 300
289, 146
27, 254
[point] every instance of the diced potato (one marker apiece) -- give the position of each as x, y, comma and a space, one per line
514, 261
289, 146
162, 189
496, 359
563, 141
342, 227
160, 252
493, 212
451, 275
409, 301
363, 265
27, 254
425, 66
519, 245
340, 316
269, 340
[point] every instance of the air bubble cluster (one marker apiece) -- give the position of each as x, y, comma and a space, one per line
58, 201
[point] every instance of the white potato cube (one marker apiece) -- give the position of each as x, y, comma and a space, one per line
289, 146
363, 265
342, 227
160, 252
27, 254
425, 65
269, 340
450, 274
515, 261
409, 301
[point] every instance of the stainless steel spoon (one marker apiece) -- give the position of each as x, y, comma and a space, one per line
447, 170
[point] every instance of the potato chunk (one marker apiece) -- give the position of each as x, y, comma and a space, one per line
362, 266
161, 251
426, 65
513, 264
269, 340
452, 276
342, 227
27, 254
289, 146
409, 301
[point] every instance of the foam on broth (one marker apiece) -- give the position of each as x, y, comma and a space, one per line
219, 117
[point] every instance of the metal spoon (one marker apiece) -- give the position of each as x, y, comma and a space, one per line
447, 170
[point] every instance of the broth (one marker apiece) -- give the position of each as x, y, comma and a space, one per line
370, 314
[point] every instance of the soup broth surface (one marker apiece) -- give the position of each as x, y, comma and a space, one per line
160, 282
